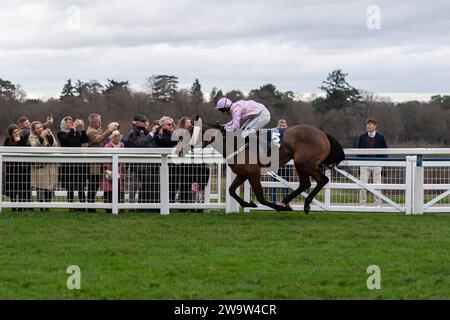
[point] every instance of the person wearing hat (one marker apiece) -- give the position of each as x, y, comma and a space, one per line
255, 115
139, 136
97, 139
106, 178
144, 177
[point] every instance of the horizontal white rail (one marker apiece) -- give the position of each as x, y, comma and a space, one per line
411, 183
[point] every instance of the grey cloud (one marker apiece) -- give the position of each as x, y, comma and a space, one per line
231, 44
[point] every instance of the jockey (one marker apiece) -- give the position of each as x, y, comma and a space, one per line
255, 115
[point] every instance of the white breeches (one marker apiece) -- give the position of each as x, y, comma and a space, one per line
253, 125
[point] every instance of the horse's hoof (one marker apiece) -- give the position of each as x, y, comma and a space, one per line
287, 207
306, 208
253, 205
250, 204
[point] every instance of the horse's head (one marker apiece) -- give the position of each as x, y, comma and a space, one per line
199, 135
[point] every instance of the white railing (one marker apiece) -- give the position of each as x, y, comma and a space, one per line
411, 183
159, 169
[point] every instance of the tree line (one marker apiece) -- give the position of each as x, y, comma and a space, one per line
342, 110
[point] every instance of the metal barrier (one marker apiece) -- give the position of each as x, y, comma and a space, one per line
158, 180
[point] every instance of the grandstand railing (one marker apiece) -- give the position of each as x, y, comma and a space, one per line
414, 181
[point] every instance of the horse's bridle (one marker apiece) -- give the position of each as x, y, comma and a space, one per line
212, 126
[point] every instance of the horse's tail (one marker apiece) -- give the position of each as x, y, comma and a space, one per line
336, 154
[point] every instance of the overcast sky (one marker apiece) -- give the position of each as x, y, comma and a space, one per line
402, 49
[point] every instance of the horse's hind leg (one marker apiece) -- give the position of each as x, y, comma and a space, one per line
321, 180
305, 183
255, 182
239, 180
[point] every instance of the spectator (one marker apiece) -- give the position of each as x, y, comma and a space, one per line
163, 133
285, 172
73, 175
163, 138
371, 139
17, 174
44, 176
97, 139
24, 126
181, 173
106, 179
144, 177
184, 123
193, 178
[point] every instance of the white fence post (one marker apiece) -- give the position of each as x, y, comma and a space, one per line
231, 205
1, 181
418, 186
327, 189
164, 188
409, 182
247, 194
115, 184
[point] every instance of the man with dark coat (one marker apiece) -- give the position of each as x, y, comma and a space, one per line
372, 140
144, 176
73, 175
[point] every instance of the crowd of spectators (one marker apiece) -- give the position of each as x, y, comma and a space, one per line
86, 179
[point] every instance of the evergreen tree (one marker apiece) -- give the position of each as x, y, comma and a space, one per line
115, 86
68, 90
339, 94
7, 89
163, 87
196, 92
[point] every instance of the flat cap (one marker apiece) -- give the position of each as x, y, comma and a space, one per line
140, 117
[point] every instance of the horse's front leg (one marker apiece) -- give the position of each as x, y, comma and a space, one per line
238, 181
258, 190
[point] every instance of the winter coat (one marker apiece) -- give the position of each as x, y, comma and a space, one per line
16, 174
97, 140
106, 185
73, 176
44, 175
140, 138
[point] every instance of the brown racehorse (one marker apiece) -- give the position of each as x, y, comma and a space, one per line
312, 151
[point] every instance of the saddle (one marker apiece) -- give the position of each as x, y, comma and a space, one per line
272, 138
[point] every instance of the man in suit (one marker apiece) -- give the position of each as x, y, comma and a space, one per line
372, 140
